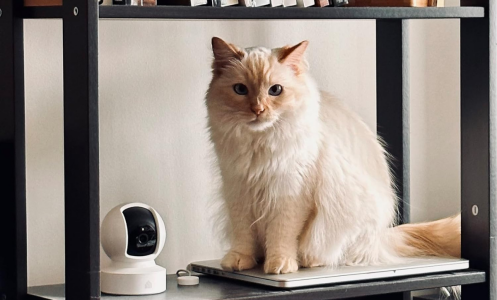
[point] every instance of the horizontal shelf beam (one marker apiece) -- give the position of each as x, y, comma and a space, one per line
205, 12
218, 288
42, 12
237, 12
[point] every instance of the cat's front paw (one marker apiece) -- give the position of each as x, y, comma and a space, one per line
307, 261
280, 265
234, 261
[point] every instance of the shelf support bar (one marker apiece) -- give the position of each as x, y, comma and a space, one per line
13, 255
478, 146
81, 152
392, 107
392, 103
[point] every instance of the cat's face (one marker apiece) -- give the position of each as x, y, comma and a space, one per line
255, 87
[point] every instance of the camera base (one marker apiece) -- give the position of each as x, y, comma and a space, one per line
133, 281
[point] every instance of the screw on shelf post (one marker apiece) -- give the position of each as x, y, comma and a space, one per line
75, 11
0, 12
474, 210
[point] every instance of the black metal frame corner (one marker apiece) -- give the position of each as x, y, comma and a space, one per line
13, 256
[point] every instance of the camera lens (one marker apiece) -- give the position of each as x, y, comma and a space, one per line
142, 238
145, 238
142, 234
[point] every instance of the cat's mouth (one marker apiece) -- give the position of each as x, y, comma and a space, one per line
259, 124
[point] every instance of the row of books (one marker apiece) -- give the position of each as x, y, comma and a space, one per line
223, 3
255, 3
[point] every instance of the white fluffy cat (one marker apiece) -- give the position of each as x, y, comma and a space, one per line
305, 182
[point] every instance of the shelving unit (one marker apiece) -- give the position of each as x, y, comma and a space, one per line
80, 42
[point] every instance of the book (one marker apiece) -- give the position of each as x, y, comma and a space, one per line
135, 2
340, 2
397, 3
288, 3
254, 3
121, 2
42, 2
144, 2
223, 3
321, 3
182, 2
275, 3
305, 3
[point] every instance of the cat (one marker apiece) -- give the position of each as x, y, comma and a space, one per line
305, 182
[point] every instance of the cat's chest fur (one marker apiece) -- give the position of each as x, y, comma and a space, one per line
275, 164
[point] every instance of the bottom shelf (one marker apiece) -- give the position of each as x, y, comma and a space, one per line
217, 288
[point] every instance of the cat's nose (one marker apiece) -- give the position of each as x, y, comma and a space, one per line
258, 109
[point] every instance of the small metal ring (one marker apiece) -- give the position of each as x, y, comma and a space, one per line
75, 11
181, 271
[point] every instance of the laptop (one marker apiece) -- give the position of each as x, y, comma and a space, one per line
305, 277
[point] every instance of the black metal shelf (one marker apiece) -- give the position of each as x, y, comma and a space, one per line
81, 155
218, 288
42, 12
207, 12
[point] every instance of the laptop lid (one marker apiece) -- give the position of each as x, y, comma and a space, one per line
325, 275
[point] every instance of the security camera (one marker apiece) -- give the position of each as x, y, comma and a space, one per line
132, 236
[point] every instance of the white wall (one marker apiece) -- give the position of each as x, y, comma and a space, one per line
153, 142
435, 131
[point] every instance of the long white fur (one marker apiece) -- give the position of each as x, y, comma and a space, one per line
309, 187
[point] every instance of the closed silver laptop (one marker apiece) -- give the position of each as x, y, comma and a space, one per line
322, 275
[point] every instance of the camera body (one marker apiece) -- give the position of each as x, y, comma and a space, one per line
132, 236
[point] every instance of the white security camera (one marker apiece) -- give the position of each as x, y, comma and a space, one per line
132, 236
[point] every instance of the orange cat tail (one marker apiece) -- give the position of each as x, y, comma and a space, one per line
437, 238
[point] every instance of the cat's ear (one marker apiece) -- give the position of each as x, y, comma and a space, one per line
294, 57
224, 53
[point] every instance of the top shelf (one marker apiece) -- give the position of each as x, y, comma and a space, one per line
238, 12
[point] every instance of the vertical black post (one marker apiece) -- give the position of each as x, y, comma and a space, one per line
478, 146
13, 263
80, 34
392, 102
392, 107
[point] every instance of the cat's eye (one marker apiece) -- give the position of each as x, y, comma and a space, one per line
240, 89
275, 90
